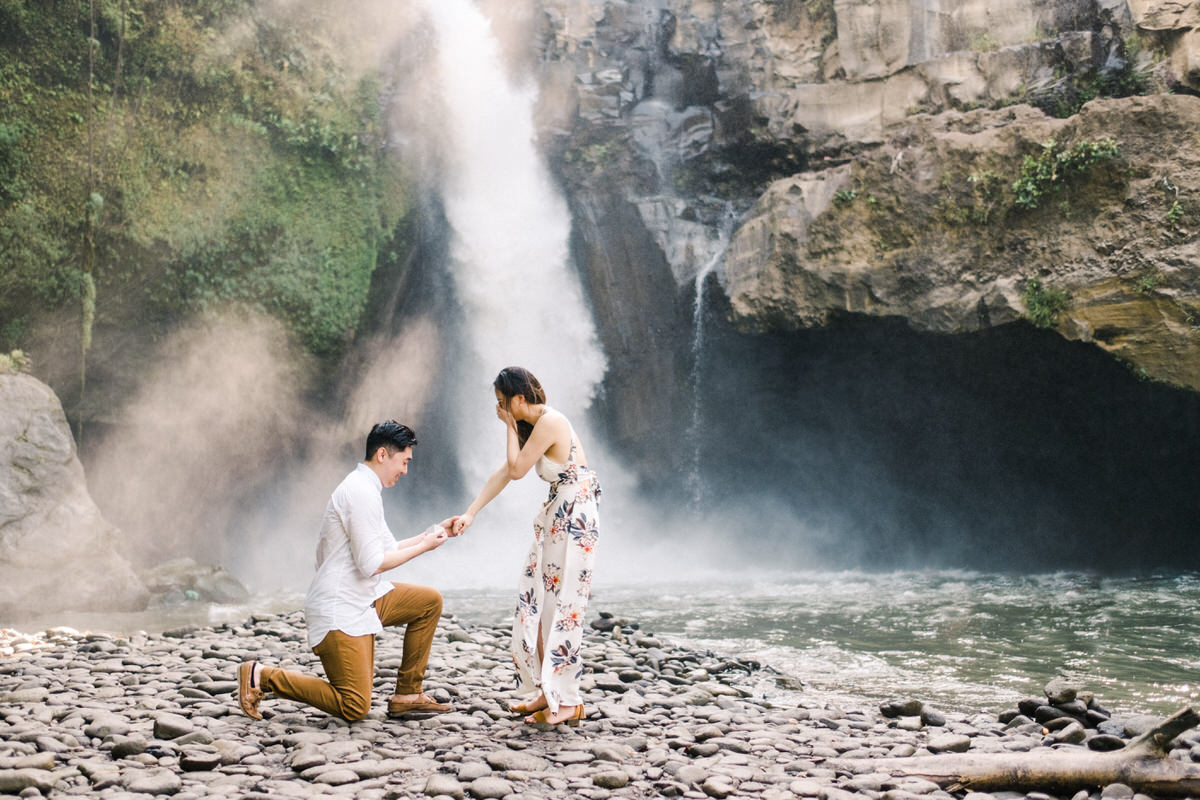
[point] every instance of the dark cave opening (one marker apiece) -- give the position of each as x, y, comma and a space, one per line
1005, 449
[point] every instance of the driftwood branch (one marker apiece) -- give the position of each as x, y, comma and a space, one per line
1141, 765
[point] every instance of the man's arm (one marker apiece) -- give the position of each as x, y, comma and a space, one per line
409, 549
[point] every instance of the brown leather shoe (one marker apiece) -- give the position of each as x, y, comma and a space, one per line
424, 704
250, 694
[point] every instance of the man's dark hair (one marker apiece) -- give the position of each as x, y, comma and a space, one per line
391, 435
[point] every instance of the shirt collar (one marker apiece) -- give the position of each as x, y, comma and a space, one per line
378, 484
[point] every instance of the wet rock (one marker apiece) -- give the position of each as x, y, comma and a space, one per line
1105, 742
1061, 690
902, 708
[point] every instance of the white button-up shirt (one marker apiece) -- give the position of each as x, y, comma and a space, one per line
354, 539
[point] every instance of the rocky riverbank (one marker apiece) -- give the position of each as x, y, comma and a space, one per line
123, 717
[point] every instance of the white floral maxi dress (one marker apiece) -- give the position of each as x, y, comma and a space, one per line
556, 582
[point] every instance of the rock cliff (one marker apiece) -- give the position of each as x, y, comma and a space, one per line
56, 550
870, 154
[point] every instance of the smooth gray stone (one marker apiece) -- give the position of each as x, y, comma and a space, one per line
15, 781
518, 760
198, 736
199, 759
105, 725
901, 708
172, 726
1070, 734
157, 780
339, 776
933, 718
612, 779
35, 694
718, 786
1062, 690
470, 770
949, 743
489, 787
125, 746
377, 767
444, 785
1116, 791
691, 773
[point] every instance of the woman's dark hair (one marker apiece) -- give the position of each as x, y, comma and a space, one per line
390, 435
513, 381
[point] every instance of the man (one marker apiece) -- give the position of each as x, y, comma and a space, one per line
348, 602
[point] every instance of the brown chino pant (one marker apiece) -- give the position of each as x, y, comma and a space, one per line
349, 661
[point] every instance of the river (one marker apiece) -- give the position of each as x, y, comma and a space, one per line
961, 641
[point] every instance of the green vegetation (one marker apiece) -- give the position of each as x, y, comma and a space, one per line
1174, 213
1056, 166
1147, 283
14, 362
844, 197
1043, 304
984, 42
159, 158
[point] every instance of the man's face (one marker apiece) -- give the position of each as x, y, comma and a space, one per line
393, 466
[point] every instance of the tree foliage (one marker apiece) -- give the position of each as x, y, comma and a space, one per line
232, 158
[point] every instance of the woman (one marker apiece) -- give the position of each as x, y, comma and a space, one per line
556, 581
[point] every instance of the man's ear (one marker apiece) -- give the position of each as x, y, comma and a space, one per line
380, 455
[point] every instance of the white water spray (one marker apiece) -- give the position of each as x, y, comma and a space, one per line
522, 301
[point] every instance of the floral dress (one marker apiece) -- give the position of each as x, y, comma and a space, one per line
556, 582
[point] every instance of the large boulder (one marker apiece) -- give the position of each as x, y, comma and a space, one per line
56, 550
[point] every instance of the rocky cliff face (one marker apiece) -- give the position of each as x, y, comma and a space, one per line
869, 152
56, 551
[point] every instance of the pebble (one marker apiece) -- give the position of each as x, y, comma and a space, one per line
123, 717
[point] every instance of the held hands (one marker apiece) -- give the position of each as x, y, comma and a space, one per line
460, 524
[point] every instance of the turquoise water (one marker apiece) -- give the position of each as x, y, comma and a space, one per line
961, 641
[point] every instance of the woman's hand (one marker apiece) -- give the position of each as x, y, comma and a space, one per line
461, 523
504, 415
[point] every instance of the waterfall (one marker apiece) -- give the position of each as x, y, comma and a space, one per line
522, 301
695, 483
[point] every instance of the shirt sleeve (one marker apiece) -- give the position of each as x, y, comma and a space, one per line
364, 524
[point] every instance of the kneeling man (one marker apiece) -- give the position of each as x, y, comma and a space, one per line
348, 602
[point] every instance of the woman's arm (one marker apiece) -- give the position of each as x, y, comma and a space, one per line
546, 432
494, 485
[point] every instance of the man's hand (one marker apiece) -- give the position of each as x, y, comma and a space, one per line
434, 537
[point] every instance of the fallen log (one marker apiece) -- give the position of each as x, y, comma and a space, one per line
1142, 765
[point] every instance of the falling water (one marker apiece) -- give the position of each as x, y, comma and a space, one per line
728, 223
522, 302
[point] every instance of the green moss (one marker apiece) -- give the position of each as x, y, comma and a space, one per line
234, 158
1042, 303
